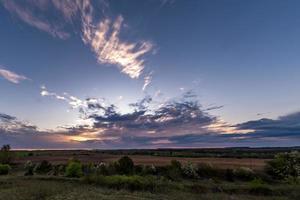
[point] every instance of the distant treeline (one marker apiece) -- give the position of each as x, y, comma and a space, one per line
238, 152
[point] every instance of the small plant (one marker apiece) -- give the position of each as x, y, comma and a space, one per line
6, 155
29, 168
244, 173
174, 171
258, 187
74, 169
43, 167
4, 169
102, 169
189, 170
125, 165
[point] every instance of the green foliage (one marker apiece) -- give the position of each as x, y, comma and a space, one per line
102, 169
4, 169
285, 165
174, 171
190, 171
125, 165
132, 183
74, 169
244, 173
43, 167
258, 187
58, 170
6, 156
206, 170
29, 168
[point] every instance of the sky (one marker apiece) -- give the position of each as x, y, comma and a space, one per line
113, 74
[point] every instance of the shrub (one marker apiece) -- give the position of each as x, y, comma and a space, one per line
132, 183
174, 171
58, 170
206, 170
229, 175
102, 169
189, 170
88, 169
74, 169
29, 168
244, 173
4, 169
6, 155
258, 187
43, 167
284, 165
149, 170
125, 165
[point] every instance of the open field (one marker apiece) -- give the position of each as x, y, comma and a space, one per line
133, 174
62, 157
24, 188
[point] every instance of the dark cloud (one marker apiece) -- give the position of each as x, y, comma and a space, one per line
283, 126
177, 123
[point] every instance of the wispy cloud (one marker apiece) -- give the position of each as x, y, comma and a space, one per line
73, 101
12, 76
27, 15
147, 81
105, 41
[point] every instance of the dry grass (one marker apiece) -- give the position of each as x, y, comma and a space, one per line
58, 157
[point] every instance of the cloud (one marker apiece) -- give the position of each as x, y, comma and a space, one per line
105, 41
27, 13
283, 126
147, 81
100, 33
73, 101
12, 76
143, 128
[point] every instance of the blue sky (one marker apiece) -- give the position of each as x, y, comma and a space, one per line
205, 72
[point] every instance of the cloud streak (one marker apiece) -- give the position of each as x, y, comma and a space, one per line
12, 76
26, 14
101, 34
104, 39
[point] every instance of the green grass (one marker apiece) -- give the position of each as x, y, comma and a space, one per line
51, 188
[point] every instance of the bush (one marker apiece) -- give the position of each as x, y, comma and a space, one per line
102, 169
4, 169
189, 171
29, 168
132, 183
206, 170
43, 167
244, 173
125, 165
74, 169
149, 170
258, 187
284, 165
174, 171
6, 155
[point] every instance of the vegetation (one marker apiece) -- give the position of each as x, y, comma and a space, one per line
6, 155
4, 169
285, 166
74, 169
177, 180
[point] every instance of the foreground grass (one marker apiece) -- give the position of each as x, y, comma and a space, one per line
45, 188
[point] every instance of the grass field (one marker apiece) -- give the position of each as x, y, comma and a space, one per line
58, 157
20, 188
150, 177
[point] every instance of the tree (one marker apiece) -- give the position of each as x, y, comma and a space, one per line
125, 165
5, 154
285, 165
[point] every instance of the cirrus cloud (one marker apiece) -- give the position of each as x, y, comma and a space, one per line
12, 76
